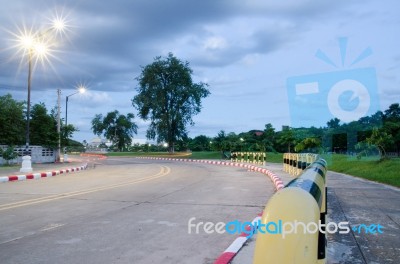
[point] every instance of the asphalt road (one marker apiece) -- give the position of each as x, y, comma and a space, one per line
126, 211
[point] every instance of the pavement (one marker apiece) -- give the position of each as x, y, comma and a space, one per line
127, 211
41, 167
43, 170
358, 201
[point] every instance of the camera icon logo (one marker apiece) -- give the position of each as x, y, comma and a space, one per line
344, 94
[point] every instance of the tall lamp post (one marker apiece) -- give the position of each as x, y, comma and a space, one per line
81, 89
35, 45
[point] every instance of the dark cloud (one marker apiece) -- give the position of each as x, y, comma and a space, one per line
108, 41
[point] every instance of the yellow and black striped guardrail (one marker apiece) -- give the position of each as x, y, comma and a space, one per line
302, 201
249, 157
295, 163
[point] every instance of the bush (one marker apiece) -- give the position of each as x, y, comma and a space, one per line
8, 154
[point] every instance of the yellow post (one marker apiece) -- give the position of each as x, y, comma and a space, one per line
293, 159
286, 162
298, 160
289, 230
286, 246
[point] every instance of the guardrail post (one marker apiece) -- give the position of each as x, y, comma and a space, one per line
282, 236
285, 162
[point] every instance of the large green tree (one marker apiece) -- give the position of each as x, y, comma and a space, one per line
381, 140
200, 143
168, 97
43, 127
117, 128
392, 126
286, 138
269, 137
12, 121
308, 144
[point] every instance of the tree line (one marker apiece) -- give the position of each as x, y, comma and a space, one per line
372, 135
43, 125
375, 134
168, 98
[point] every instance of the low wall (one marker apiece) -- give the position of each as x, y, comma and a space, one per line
39, 154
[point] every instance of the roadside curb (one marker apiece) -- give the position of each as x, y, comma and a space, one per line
39, 175
227, 256
278, 183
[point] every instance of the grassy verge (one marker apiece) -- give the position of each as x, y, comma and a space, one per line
386, 171
187, 155
9, 167
271, 157
147, 154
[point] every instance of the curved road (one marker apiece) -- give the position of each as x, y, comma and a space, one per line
127, 210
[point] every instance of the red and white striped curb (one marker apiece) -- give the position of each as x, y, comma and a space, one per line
98, 156
236, 245
39, 175
274, 178
227, 256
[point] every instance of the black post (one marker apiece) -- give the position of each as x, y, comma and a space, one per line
66, 111
28, 110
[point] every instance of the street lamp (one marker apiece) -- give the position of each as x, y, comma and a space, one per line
81, 90
35, 46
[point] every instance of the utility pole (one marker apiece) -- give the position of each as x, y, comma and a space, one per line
58, 125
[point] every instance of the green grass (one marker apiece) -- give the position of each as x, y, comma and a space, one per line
205, 155
271, 157
8, 167
386, 171
274, 157
194, 155
146, 154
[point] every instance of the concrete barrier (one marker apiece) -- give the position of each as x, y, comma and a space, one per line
249, 157
296, 163
301, 203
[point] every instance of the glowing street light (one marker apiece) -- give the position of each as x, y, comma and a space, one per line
35, 45
33, 48
59, 24
81, 90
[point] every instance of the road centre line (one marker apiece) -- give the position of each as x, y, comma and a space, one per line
163, 172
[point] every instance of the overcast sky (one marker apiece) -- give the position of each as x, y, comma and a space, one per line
251, 53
